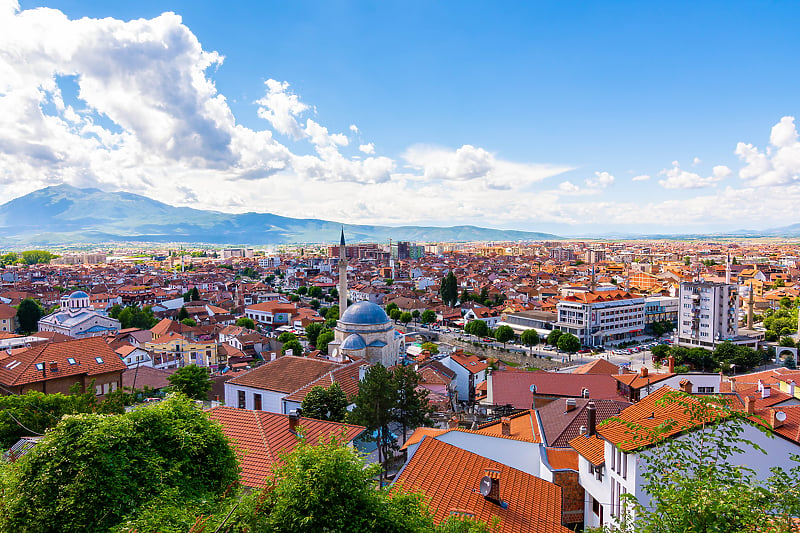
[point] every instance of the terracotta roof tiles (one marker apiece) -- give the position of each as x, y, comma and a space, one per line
286, 374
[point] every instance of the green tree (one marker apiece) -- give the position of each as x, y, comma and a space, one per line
182, 313
395, 314
787, 342
530, 338
326, 404
659, 352
448, 289
35, 257
133, 317
314, 303
504, 334
415, 314
192, 380
287, 336
315, 292
569, 343
373, 405
325, 336
302, 290
412, 408
391, 306
9, 259
29, 311
245, 322
431, 347
293, 345
191, 322
428, 316
192, 295
90, 471
405, 318
312, 331
553, 336
479, 328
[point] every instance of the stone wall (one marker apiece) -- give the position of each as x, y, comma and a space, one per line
514, 357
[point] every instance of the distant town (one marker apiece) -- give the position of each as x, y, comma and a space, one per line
536, 367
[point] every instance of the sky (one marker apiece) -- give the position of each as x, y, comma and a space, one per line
578, 118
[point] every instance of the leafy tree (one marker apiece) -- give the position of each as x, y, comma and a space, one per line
325, 336
326, 404
314, 303
191, 322
191, 380
35, 257
287, 336
376, 398
182, 313
245, 322
785, 302
315, 292
660, 352
529, 337
553, 336
192, 295
415, 315
430, 347
9, 259
333, 313
133, 317
391, 306
293, 345
787, 342
448, 289
789, 362
484, 297
569, 343
294, 298
428, 316
412, 409
479, 328
395, 314
312, 331
504, 334
89, 472
302, 290
405, 318
29, 311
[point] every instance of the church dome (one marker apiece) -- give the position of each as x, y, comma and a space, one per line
364, 313
353, 342
78, 294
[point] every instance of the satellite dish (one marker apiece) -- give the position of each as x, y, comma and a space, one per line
486, 485
780, 416
532, 388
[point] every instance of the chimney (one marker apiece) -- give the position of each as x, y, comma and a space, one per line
791, 386
582, 430
591, 419
494, 491
362, 372
505, 426
453, 422
294, 420
760, 385
671, 364
749, 405
686, 386
53, 366
571, 404
584, 392
643, 371
765, 391
776, 418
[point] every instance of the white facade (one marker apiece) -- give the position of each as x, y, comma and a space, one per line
245, 397
602, 320
708, 314
78, 319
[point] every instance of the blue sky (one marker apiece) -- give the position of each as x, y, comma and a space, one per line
528, 115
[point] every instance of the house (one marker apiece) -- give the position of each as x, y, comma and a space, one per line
8, 318
487, 314
55, 367
469, 370
271, 314
525, 389
261, 437
635, 386
133, 356
173, 350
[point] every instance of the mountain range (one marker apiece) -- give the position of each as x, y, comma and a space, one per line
63, 215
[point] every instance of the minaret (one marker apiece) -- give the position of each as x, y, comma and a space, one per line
342, 276
391, 258
750, 308
728, 269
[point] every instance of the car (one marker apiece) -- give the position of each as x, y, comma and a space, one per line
584, 350
487, 339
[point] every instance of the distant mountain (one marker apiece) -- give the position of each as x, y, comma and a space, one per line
66, 215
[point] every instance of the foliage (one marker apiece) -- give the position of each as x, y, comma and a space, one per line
90, 471
660, 352
405, 317
529, 337
249, 272
504, 334
245, 322
323, 339
326, 404
192, 380
293, 345
35, 257
182, 313
479, 328
415, 314
448, 289
287, 336
395, 314
314, 303
789, 362
312, 331
133, 317
428, 316
390, 307
302, 290
412, 409
569, 343
191, 322
29, 311
787, 342
553, 336
660, 328
9, 259
294, 298
432, 347
374, 404
192, 295
315, 292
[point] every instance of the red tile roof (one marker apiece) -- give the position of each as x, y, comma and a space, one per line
451, 477
470, 362
261, 437
514, 387
598, 366
562, 458
286, 374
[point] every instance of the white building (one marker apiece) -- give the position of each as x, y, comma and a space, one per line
78, 319
709, 315
598, 317
365, 331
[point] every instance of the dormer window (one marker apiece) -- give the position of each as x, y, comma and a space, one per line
71, 360
40, 366
99, 360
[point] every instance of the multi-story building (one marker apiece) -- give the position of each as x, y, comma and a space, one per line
708, 314
599, 317
661, 309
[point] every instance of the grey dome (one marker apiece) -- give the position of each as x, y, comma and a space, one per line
366, 313
78, 294
353, 342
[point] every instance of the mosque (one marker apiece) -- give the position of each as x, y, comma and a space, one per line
364, 330
78, 319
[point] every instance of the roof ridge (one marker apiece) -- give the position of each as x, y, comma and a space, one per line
263, 435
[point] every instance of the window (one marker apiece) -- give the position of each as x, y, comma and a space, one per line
241, 399
705, 390
596, 508
71, 360
39, 366
99, 360
624, 466
257, 402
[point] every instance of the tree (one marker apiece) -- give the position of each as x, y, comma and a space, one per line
428, 316
302, 290
287, 336
314, 303
182, 313
293, 345
395, 314
569, 343
192, 380
448, 289
323, 339
373, 405
553, 336
391, 306
192, 295
412, 409
430, 347
91, 471
35, 257
405, 318
189, 322
787, 342
28, 314
326, 404
315, 292
415, 314
133, 317
529, 337
479, 328
504, 334
245, 322
312, 331
659, 352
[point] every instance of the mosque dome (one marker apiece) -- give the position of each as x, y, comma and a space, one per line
78, 294
353, 342
364, 313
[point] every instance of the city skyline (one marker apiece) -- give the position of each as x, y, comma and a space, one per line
563, 118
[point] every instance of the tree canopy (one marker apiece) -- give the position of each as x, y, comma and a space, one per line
245, 322
293, 345
553, 336
529, 337
312, 332
479, 328
29, 312
192, 380
504, 334
428, 316
326, 404
323, 339
569, 343
448, 289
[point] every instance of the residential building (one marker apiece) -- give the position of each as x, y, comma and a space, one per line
8, 318
600, 317
709, 315
469, 370
271, 314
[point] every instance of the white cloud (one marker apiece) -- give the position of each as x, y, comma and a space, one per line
281, 108
676, 178
779, 164
641, 177
353, 128
721, 171
601, 180
368, 148
696, 161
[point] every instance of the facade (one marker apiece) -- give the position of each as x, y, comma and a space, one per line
599, 317
174, 351
78, 319
709, 314
661, 309
365, 331
8, 318
271, 314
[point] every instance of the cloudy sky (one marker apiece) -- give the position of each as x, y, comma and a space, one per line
570, 117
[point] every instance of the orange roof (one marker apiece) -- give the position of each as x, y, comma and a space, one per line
286, 374
562, 458
470, 362
592, 448
523, 427
636, 381
260, 438
451, 476
598, 366
421, 433
603, 296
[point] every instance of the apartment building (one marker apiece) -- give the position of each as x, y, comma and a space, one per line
708, 314
600, 317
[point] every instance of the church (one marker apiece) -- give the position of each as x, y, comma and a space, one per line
364, 330
78, 319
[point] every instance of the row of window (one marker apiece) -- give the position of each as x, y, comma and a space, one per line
242, 400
